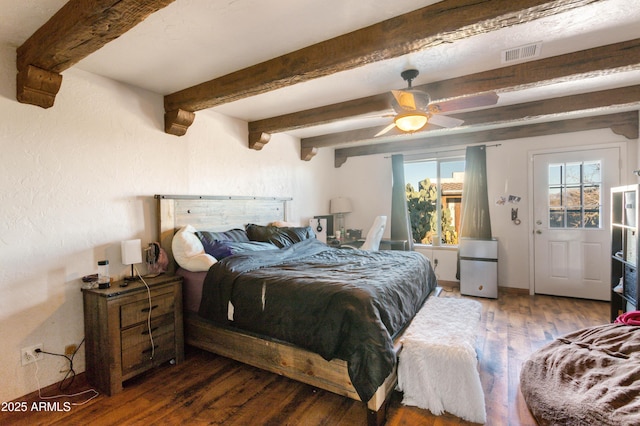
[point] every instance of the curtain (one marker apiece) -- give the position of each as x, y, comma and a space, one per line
475, 221
400, 225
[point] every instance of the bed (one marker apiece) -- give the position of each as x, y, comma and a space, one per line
588, 377
238, 307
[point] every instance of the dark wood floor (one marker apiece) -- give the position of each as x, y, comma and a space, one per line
208, 389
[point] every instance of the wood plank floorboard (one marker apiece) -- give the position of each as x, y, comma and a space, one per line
209, 389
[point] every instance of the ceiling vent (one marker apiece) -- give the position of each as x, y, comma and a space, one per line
521, 53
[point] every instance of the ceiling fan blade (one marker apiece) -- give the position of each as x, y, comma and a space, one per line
444, 121
404, 99
467, 102
385, 130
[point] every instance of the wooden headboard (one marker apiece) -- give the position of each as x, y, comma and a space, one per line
213, 213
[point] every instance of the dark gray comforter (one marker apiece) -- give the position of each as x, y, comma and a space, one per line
339, 303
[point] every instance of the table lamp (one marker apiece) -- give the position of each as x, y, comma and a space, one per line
339, 206
131, 254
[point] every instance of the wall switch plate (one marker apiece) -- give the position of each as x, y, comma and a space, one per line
29, 354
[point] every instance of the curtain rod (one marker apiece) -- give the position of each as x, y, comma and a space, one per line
449, 150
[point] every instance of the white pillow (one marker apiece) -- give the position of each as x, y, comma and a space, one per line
188, 251
283, 224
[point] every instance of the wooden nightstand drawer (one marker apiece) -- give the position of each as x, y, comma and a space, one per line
140, 334
139, 355
136, 312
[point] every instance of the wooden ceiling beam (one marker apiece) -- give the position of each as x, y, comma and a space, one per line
587, 63
590, 63
442, 22
624, 123
371, 105
625, 96
78, 29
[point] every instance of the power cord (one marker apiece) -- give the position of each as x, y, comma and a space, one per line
435, 267
71, 371
61, 385
153, 346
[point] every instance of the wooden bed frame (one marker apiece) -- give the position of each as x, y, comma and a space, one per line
217, 213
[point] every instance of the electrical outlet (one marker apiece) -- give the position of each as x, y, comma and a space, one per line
30, 355
70, 349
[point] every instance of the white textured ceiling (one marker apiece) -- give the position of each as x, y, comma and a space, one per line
192, 41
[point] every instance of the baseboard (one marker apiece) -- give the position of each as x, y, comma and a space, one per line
504, 290
513, 290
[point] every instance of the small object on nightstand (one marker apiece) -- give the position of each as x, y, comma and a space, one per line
354, 234
333, 242
89, 281
104, 281
156, 260
90, 278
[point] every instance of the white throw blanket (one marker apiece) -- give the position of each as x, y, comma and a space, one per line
437, 368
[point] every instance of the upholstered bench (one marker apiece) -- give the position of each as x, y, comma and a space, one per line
438, 366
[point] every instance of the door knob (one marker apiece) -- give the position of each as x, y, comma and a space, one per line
538, 231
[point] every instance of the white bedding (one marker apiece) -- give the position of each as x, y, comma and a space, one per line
437, 367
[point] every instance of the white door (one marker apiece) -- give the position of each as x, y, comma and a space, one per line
572, 243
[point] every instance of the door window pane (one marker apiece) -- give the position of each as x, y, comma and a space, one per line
572, 174
556, 218
555, 175
574, 218
555, 197
592, 172
575, 195
592, 218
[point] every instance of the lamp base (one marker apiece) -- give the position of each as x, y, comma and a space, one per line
340, 221
132, 277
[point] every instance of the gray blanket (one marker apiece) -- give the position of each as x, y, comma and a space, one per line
339, 303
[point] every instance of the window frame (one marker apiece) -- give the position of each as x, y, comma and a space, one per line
452, 156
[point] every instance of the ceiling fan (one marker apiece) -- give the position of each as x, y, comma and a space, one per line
414, 108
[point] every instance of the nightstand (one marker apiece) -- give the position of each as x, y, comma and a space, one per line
117, 342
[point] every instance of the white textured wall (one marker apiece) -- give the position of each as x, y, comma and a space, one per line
78, 178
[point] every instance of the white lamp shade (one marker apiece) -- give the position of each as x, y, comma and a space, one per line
340, 205
131, 252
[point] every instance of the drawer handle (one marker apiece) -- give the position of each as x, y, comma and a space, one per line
147, 351
149, 309
149, 331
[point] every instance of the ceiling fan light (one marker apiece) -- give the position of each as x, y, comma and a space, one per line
411, 121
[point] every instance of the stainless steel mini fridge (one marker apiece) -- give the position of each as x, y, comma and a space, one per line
478, 267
